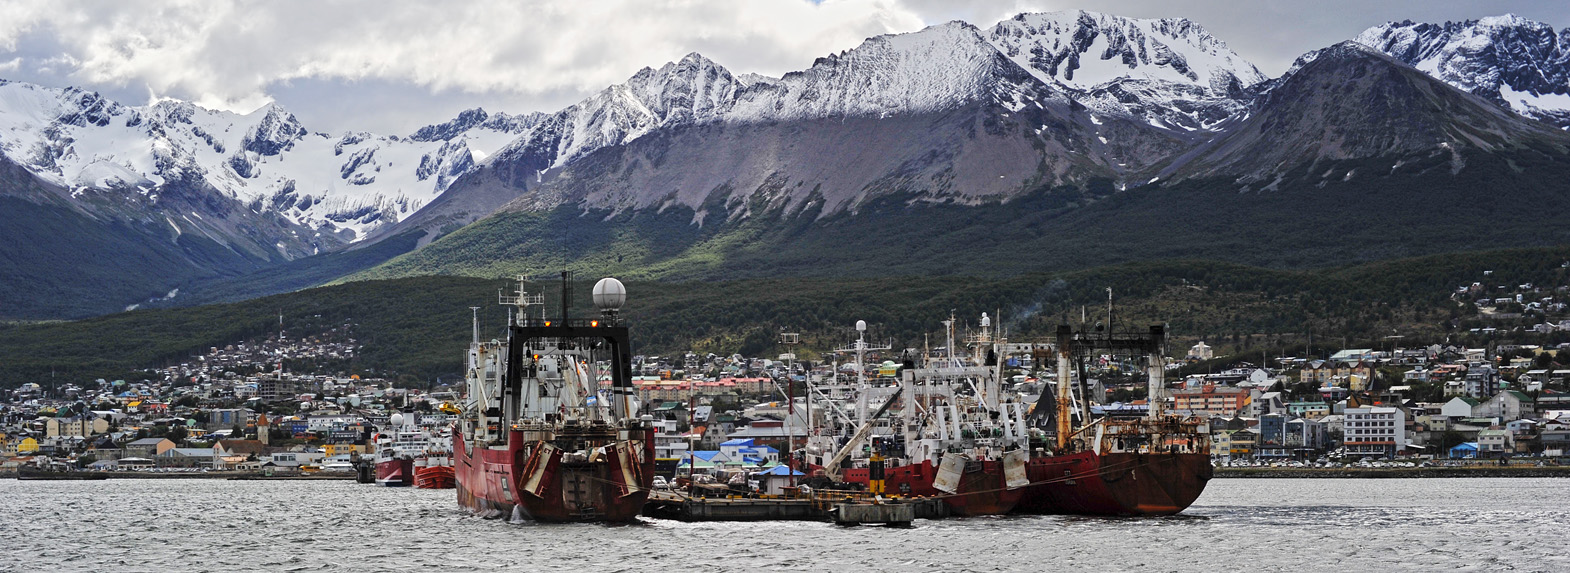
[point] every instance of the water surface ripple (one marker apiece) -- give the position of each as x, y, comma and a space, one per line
1239, 524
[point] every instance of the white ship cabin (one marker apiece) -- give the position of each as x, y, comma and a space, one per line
295, 459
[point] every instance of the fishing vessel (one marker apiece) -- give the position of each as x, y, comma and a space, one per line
954, 433
549, 430
1155, 464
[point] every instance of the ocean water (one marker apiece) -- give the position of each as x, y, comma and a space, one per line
1237, 525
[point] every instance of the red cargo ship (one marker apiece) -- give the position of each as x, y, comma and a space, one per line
1116, 482
538, 439
1149, 464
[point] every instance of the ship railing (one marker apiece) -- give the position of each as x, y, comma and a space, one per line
572, 322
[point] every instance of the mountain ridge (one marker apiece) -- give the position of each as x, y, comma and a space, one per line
1068, 113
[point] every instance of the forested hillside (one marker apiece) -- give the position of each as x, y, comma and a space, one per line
418, 327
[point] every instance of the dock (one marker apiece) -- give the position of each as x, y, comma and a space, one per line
896, 514
847, 508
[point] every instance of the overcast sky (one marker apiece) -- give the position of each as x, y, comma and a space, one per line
390, 67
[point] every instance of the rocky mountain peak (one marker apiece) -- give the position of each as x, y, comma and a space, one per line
466, 120
1351, 102
1512, 60
1083, 49
693, 88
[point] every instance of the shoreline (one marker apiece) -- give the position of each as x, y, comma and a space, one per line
1380, 473
226, 475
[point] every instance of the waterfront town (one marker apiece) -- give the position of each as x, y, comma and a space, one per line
238, 408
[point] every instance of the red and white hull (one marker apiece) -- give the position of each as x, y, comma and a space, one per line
396, 472
434, 476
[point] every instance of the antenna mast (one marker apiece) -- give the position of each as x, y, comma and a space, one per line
476, 311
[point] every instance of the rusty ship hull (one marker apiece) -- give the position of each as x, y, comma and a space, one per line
981, 489
536, 479
1115, 484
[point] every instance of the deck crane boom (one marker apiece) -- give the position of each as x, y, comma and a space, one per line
833, 469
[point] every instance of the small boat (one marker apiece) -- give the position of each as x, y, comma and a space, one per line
393, 468
433, 476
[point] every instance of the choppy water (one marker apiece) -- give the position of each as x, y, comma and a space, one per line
1239, 524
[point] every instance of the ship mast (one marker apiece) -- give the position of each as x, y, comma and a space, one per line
512, 395
861, 372
789, 340
1065, 426
862, 389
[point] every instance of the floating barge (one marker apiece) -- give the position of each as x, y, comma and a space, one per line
847, 508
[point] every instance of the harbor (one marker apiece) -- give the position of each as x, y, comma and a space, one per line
557, 421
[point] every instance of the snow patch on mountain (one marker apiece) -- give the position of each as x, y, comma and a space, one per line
936, 69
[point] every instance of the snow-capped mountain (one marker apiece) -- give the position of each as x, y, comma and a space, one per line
1343, 105
341, 186
937, 68
1056, 112
1515, 61
902, 78
1168, 72
1171, 74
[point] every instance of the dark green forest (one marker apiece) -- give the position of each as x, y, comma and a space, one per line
417, 328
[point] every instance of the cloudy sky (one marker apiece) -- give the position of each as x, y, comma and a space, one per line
392, 66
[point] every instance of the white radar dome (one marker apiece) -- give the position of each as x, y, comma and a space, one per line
609, 294
396, 419
861, 326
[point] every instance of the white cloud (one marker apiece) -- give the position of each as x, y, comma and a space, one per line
408, 63
230, 54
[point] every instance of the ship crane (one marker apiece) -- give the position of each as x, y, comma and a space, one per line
832, 470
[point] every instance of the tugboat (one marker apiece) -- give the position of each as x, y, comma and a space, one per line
433, 467
539, 437
1154, 465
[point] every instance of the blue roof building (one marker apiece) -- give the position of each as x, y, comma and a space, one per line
1466, 450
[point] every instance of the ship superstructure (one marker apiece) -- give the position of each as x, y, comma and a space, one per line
949, 431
